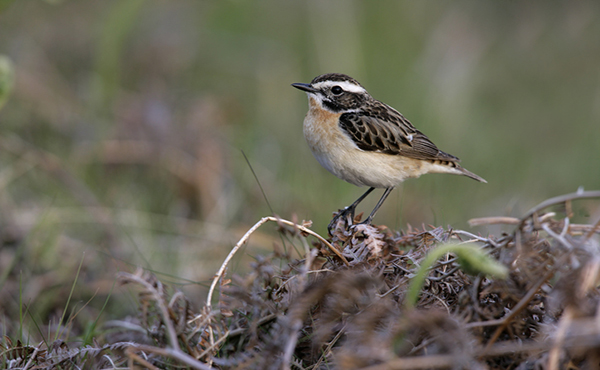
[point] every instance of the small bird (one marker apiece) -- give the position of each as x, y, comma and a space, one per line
366, 142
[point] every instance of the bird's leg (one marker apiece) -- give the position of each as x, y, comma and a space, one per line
348, 211
368, 220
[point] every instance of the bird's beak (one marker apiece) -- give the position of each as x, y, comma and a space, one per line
305, 87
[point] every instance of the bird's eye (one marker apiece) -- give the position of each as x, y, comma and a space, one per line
336, 90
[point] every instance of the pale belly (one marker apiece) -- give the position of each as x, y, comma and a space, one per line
339, 155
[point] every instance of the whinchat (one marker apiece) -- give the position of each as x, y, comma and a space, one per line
366, 142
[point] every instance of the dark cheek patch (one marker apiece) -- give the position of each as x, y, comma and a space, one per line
332, 105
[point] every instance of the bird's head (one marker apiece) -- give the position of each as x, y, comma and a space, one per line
335, 92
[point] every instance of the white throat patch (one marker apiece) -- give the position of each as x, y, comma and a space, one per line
315, 99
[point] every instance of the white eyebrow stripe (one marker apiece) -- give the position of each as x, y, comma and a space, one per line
345, 85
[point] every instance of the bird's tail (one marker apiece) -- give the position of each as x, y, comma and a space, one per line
452, 167
470, 174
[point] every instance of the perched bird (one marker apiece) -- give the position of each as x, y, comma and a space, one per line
366, 142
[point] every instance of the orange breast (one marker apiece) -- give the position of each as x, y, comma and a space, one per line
321, 128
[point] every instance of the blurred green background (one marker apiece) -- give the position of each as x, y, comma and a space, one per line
122, 141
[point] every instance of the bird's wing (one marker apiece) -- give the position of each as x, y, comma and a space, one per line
387, 131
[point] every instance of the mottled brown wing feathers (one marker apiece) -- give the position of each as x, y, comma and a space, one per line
387, 131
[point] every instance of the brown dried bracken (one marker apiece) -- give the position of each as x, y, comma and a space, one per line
345, 308
328, 313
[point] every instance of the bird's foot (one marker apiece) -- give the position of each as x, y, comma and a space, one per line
366, 222
345, 215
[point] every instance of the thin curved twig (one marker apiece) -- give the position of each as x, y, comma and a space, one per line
244, 238
164, 311
172, 353
560, 199
33, 356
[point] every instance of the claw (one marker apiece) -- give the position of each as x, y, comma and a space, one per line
347, 212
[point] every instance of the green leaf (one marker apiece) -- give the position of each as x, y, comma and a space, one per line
472, 259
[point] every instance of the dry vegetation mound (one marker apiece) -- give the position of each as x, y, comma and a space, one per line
524, 300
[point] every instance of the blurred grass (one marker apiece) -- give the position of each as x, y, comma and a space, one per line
122, 136
7, 79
